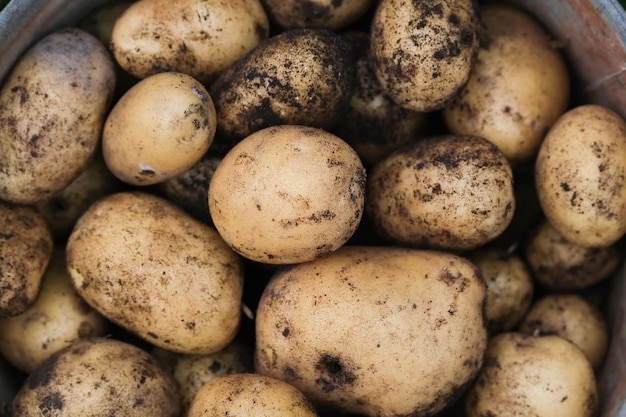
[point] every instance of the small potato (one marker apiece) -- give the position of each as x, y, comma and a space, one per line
300, 76
422, 52
250, 395
572, 318
326, 14
154, 270
98, 377
200, 38
52, 108
58, 317
26, 246
581, 176
518, 86
530, 376
446, 192
288, 194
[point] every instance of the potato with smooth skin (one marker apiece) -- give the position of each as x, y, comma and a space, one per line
518, 87
530, 376
300, 76
149, 267
443, 192
288, 194
99, 377
422, 52
52, 108
200, 38
376, 331
326, 14
581, 176
158, 129
26, 246
58, 317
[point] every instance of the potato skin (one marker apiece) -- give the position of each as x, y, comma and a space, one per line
364, 320
99, 377
52, 109
327, 14
581, 176
149, 267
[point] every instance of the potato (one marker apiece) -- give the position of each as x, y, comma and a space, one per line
52, 109
250, 395
58, 317
287, 194
300, 76
98, 377
558, 264
160, 128
199, 38
26, 246
572, 318
327, 14
533, 376
378, 331
152, 269
445, 192
422, 52
518, 87
581, 176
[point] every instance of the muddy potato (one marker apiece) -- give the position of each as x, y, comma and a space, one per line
446, 192
530, 376
200, 38
152, 269
300, 76
574, 319
327, 14
581, 176
58, 317
375, 330
518, 86
288, 194
26, 246
422, 52
52, 109
99, 377
559, 264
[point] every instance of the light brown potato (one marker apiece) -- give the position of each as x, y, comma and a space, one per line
572, 318
530, 376
422, 52
300, 76
52, 109
158, 129
518, 86
200, 38
250, 395
326, 14
445, 192
561, 265
26, 246
288, 194
99, 377
375, 331
581, 176
152, 269
58, 317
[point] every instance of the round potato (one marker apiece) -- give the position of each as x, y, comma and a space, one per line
52, 108
518, 87
152, 269
377, 331
26, 246
288, 194
160, 128
99, 377
200, 38
446, 192
581, 176
326, 14
422, 52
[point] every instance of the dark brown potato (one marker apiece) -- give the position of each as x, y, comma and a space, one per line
326, 14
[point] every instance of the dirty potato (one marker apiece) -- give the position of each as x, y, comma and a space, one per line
327, 14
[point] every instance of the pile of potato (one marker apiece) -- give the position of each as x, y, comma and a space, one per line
305, 208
